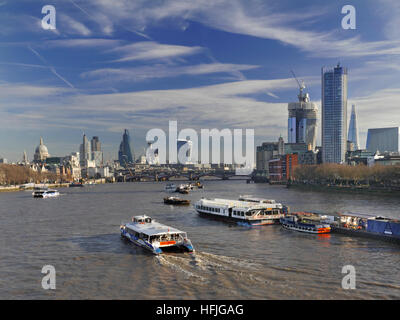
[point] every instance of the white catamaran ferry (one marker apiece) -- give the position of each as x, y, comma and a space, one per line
45, 193
243, 212
154, 236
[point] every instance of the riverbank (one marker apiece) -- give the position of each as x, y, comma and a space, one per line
23, 187
360, 189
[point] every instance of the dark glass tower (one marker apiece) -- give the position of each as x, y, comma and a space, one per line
125, 153
334, 114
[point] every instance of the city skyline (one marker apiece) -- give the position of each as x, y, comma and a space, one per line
135, 69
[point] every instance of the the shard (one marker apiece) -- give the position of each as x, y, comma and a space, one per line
353, 129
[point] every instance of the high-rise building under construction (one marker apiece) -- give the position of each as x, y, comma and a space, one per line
302, 122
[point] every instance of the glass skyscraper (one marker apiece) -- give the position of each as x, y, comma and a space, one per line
125, 153
383, 140
353, 129
334, 114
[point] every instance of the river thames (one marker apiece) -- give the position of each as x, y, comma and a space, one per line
78, 233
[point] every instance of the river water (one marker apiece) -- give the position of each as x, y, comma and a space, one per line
78, 233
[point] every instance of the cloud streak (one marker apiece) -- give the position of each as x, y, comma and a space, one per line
150, 50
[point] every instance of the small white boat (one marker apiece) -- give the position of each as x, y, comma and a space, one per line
45, 193
154, 236
171, 187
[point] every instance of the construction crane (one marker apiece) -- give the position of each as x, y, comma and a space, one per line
302, 86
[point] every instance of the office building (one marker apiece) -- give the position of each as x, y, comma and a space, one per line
281, 169
334, 114
85, 152
266, 152
97, 154
383, 140
125, 154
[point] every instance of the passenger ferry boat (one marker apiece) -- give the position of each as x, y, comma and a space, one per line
154, 236
242, 212
171, 187
45, 193
305, 222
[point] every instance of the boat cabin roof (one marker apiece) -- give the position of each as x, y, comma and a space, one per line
246, 205
254, 199
147, 225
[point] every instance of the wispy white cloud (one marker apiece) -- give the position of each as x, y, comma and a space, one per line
150, 50
85, 42
161, 71
251, 18
72, 26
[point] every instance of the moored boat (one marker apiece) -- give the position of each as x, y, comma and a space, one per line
45, 193
176, 201
171, 187
76, 184
305, 222
154, 236
241, 212
366, 225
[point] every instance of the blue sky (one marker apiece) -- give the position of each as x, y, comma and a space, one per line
119, 64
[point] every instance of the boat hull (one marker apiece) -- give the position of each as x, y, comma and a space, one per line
154, 249
41, 196
181, 202
305, 229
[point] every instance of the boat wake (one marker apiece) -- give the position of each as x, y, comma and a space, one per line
204, 266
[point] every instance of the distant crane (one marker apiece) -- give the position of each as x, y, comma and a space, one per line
302, 86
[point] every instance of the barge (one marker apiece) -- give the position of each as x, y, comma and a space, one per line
365, 225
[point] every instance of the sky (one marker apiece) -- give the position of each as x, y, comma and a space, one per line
137, 64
